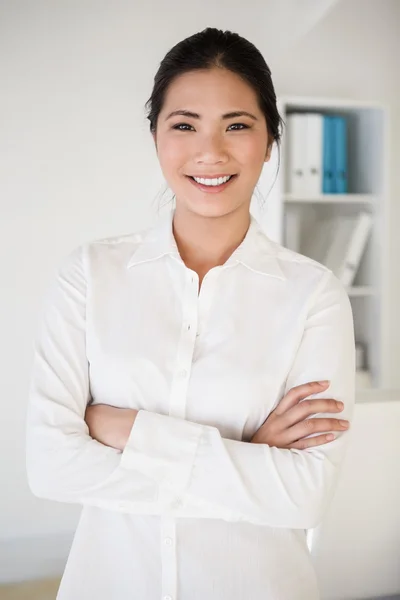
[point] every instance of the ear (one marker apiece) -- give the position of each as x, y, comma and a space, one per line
154, 138
268, 154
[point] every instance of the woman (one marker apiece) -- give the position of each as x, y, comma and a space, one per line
172, 364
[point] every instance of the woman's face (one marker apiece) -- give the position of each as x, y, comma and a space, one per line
209, 142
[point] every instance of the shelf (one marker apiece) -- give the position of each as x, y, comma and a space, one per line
307, 223
361, 290
377, 395
297, 103
363, 380
331, 199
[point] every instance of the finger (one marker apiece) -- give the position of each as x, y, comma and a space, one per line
312, 426
312, 442
299, 392
304, 409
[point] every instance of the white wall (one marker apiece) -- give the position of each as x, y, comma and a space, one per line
77, 160
356, 549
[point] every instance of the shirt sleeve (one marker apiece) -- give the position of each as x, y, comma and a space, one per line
63, 462
241, 481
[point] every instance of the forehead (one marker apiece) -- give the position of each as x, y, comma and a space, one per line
210, 88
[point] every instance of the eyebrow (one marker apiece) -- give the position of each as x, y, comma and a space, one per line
230, 115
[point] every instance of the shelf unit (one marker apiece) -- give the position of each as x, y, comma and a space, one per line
292, 220
367, 199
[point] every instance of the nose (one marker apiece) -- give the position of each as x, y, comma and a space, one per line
211, 150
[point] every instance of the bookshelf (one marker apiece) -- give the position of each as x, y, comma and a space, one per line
294, 220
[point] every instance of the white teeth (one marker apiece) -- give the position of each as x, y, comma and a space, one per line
217, 181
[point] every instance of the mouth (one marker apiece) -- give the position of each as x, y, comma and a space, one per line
210, 186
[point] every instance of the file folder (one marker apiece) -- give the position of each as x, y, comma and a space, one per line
340, 152
314, 152
296, 155
328, 150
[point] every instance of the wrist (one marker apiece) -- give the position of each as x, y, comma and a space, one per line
110, 425
123, 430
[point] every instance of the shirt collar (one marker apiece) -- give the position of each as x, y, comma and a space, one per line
257, 251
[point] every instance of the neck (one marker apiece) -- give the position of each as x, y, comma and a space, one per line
206, 242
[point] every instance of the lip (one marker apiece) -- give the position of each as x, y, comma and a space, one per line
212, 176
212, 189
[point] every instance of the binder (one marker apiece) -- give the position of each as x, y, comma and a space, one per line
340, 233
296, 157
340, 155
318, 239
356, 248
347, 245
314, 152
328, 148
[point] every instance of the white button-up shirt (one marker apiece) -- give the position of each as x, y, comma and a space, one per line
190, 509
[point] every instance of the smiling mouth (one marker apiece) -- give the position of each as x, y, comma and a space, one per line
212, 188
211, 176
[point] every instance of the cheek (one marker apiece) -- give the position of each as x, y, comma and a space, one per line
172, 160
251, 157
172, 151
250, 150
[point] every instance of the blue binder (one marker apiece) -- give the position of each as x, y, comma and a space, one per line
340, 155
328, 148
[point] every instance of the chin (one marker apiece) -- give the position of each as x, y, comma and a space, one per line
209, 209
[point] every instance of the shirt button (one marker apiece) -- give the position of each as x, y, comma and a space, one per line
168, 541
183, 373
167, 597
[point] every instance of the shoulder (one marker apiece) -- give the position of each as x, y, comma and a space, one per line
116, 249
112, 252
120, 242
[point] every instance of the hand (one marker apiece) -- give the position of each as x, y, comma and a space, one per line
109, 425
287, 424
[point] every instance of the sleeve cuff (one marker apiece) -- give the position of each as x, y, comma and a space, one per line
163, 448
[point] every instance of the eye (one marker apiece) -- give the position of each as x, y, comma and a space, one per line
242, 125
179, 125
184, 126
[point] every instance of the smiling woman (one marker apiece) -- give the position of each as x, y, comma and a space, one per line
171, 364
196, 137
214, 119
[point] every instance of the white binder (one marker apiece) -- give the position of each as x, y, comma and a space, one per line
347, 245
356, 248
314, 153
318, 239
296, 134
304, 141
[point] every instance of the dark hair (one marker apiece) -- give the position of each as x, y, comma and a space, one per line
213, 48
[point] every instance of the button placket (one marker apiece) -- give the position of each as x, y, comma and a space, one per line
168, 556
206, 297
178, 408
185, 351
